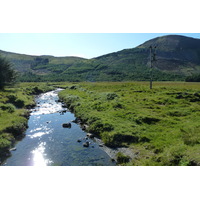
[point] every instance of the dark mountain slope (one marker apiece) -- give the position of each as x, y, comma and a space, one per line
176, 55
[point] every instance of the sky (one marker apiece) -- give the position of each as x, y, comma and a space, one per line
86, 45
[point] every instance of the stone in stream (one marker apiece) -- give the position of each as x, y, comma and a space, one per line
90, 135
13, 149
62, 112
78, 140
86, 144
67, 125
84, 127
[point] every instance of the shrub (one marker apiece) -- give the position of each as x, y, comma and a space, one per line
8, 75
118, 139
18, 126
11, 98
71, 99
99, 127
174, 155
118, 105
37, 90
19, 103
147, 120
191, 136
111, 96
177, 113
16, 101
8, 107
73, 87
92, 119
121, 158
6, 141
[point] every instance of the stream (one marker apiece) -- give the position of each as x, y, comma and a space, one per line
47, 143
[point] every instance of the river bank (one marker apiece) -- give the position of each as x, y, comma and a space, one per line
119, 153
49, 143
156, 127
15, 104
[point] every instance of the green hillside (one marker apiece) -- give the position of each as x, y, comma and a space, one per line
177, 58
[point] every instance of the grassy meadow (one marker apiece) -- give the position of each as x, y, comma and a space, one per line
14, 104
161, 125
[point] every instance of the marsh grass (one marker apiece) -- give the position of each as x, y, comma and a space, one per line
162, 123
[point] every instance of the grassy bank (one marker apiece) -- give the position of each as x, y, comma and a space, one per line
14, 113
161, 125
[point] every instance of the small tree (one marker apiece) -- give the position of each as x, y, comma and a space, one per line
7, 73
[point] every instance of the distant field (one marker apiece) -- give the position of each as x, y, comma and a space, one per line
161, 125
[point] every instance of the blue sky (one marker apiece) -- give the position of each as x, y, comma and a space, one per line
87, 45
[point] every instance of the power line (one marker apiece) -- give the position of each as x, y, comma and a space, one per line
152, 60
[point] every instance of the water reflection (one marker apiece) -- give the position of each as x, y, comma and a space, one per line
48, 143
36, 129
39, 155
40, 132
47, 104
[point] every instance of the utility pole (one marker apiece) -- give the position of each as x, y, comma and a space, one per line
152, 60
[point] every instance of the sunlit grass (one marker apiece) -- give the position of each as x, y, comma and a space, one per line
130, 114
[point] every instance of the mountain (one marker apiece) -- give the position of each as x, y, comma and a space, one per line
177, 58
38, 64
178, 54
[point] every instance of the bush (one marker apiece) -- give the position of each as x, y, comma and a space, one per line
147, 120
11, 98
19, 103
118, 139
191, 136
174, 155
98, 127
16, 101
71, 99
18, 127
111, 96
8, 75
8, 107
6, 141
117, 105
121, 158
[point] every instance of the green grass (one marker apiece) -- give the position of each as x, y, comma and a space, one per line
160, 125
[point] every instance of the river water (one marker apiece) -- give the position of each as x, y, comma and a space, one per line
47, 143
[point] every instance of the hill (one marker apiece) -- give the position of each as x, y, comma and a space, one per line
177, 58
178, 54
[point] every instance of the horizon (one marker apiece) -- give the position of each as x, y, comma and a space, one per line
83, 45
